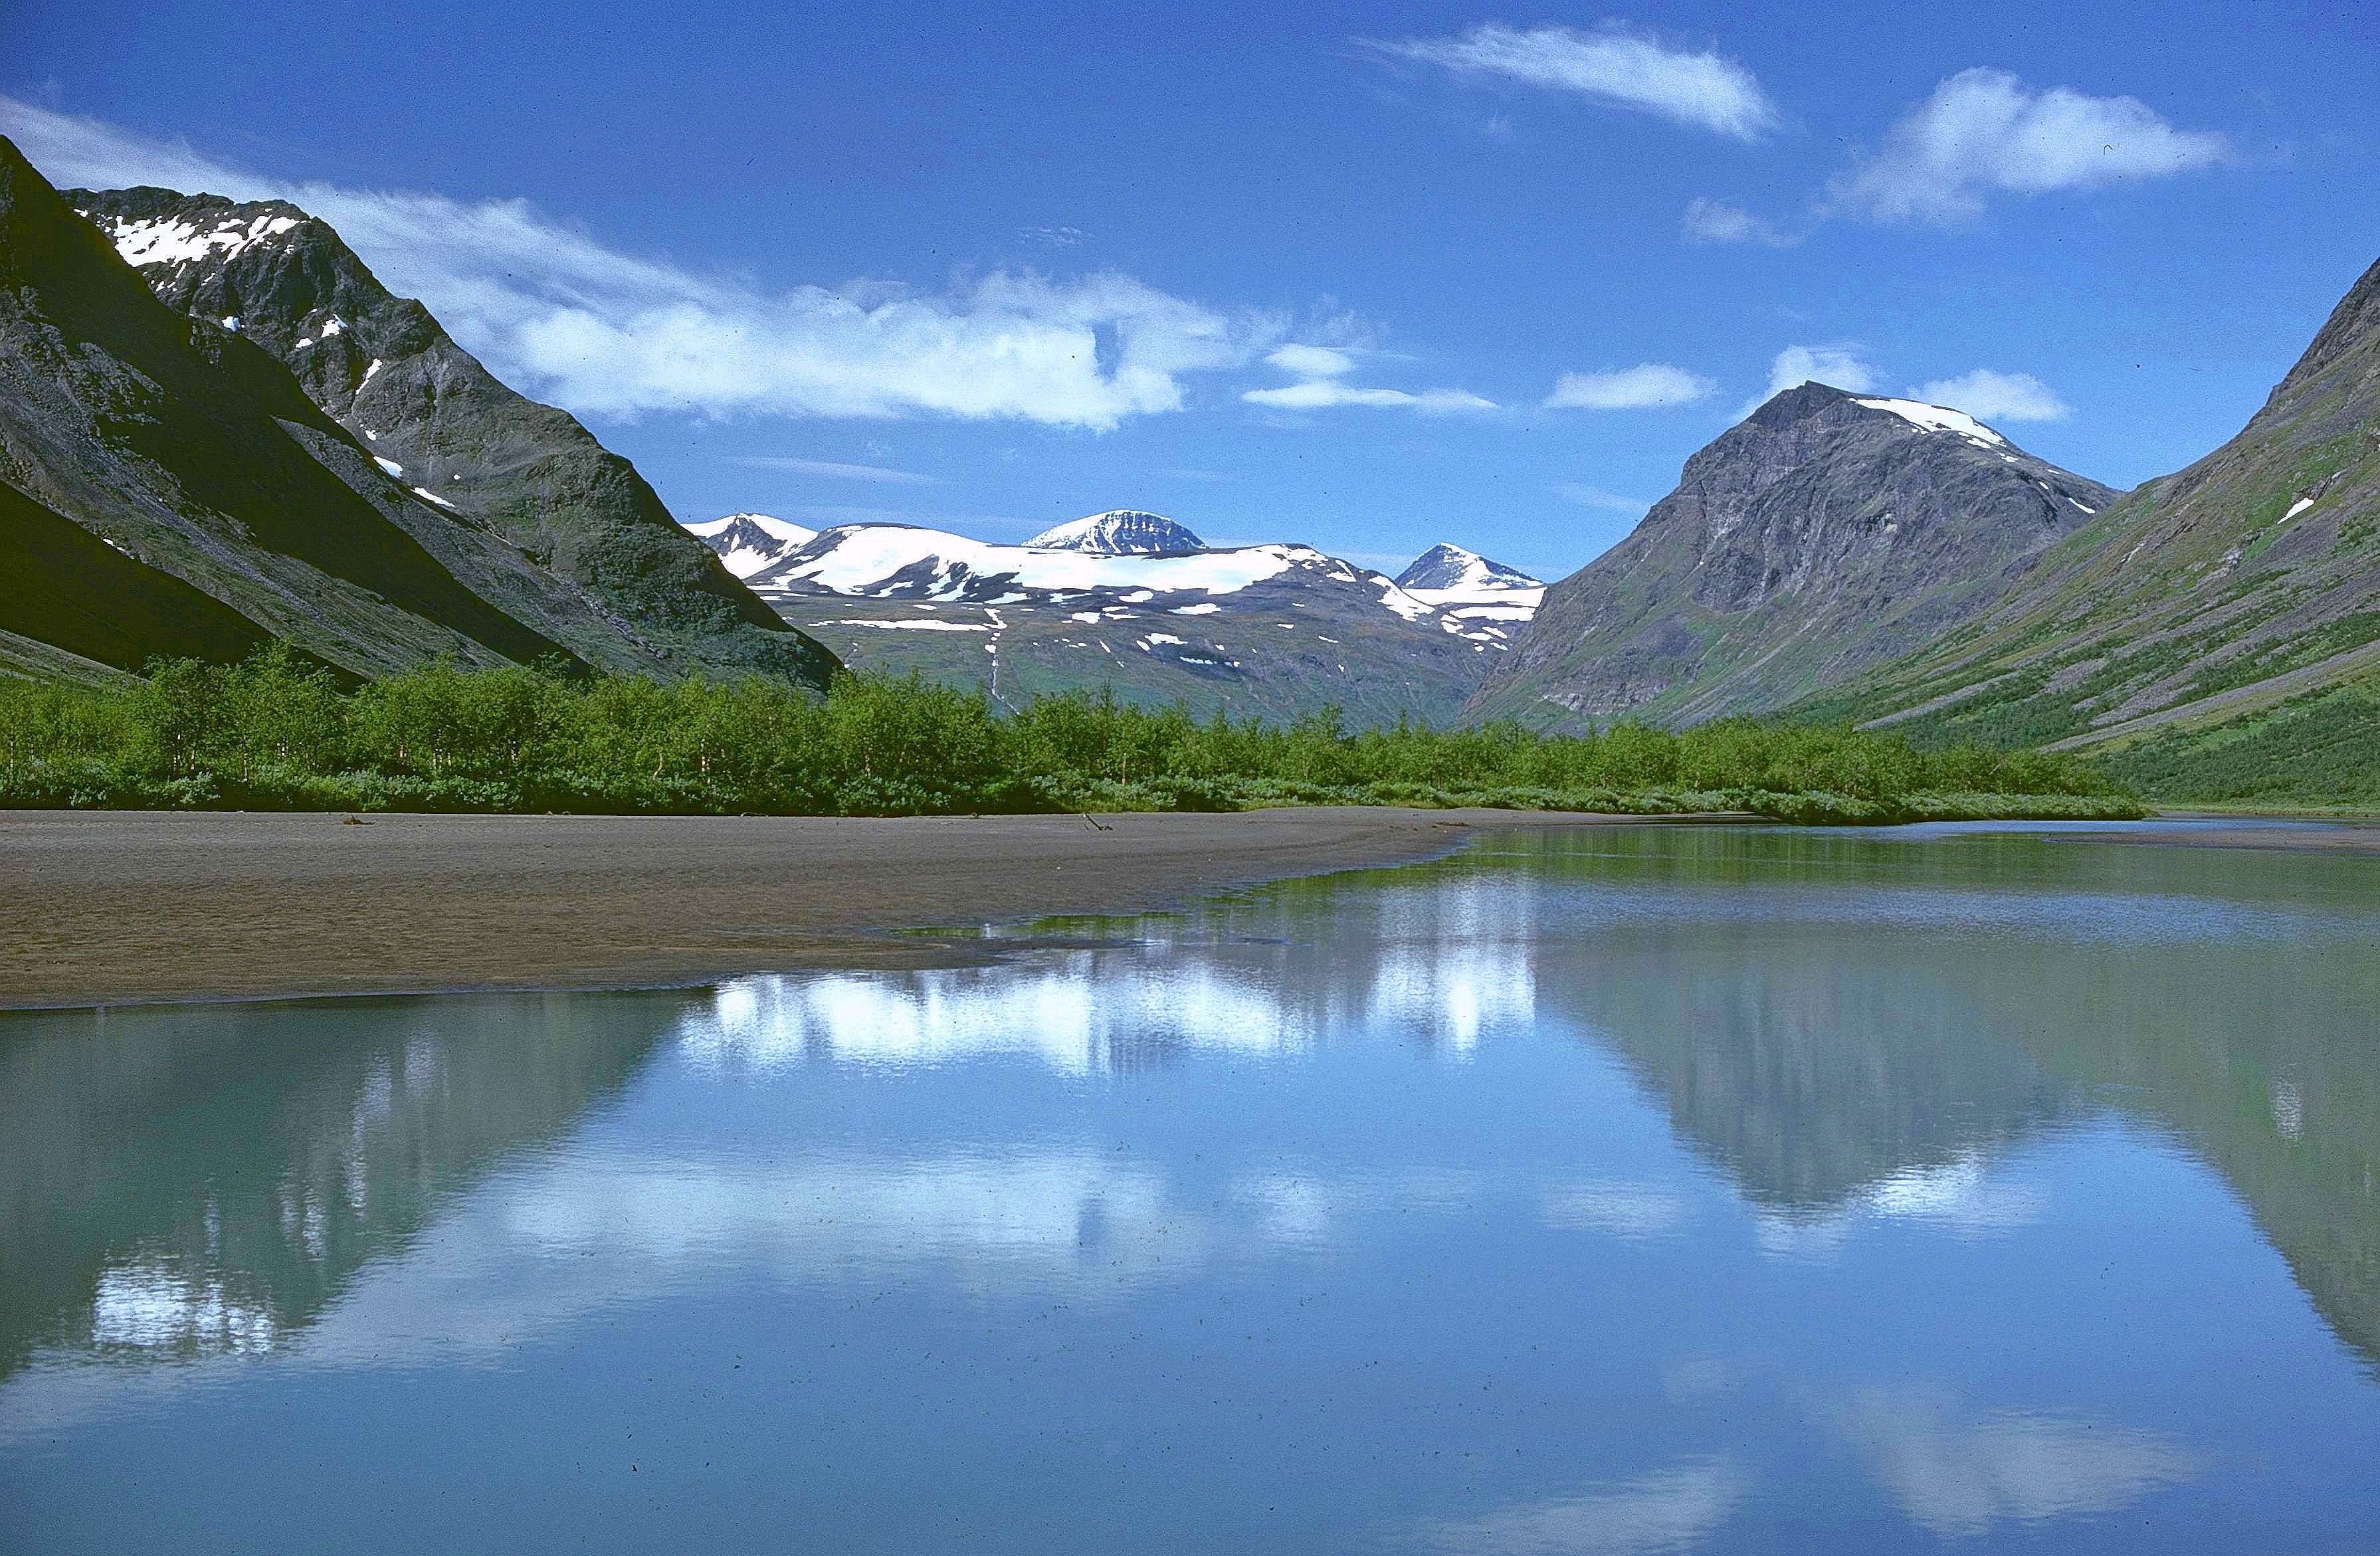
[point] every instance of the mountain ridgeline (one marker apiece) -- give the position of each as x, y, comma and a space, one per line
581, 542
2215, 634
1136, 604
277, 449
1824, 535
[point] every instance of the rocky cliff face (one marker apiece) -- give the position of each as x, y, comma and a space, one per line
1826, 534
2216, 630
531, 510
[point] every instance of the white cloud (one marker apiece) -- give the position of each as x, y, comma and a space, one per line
1996, 396
1056, 237
848, 472
1322, 370
561, 316
1985, 132
1323, 392
1313, 362
1644, 386
1711, 221
1595, 497
1614, 65
1841, 366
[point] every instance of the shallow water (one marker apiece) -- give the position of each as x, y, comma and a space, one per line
1650, 1190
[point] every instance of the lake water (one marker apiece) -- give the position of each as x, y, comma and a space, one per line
1616, 1192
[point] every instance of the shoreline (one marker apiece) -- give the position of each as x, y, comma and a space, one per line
134, 908
109, 908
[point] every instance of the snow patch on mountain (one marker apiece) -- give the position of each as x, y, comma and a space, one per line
1939, 418
176, 242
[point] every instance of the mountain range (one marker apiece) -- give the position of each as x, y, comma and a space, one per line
1135, 602
266, 445
218, 429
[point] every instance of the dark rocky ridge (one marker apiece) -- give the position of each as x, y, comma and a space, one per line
1817, 539
525, 505
195, 454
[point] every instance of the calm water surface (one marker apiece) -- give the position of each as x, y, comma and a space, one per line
1651, 1190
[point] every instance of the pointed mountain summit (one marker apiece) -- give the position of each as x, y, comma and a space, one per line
750, 542
1824, 535
1449, 566
2214, 634
1119, 532
540, 516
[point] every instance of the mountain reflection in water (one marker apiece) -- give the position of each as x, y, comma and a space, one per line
1628, 1130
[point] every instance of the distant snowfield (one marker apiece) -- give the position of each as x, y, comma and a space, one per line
1102, 568
865, 556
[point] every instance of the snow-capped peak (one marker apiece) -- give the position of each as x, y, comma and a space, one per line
1119, 532
1468, 586
1938, 418
747, 543
1446, 567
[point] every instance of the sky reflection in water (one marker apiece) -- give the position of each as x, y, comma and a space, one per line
1652, 1191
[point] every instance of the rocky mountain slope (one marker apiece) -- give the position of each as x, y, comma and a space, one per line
2216, 633
189, 452
1826, 534
1135, 602
516, 499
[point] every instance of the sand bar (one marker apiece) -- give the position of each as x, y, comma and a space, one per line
101, 907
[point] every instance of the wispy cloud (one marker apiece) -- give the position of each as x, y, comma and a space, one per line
1647, 385
1595, 497
1613, 64
1841, 366
1996, 396
1323, 372
1056, 237
569, 319
1711, 221
1321, 394
1313, 362
829, 468
1985, 132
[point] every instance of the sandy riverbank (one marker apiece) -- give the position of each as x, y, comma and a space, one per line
109, 907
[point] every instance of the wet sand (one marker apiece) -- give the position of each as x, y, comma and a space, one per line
101, 907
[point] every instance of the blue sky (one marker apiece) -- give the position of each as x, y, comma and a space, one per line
1371, 277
